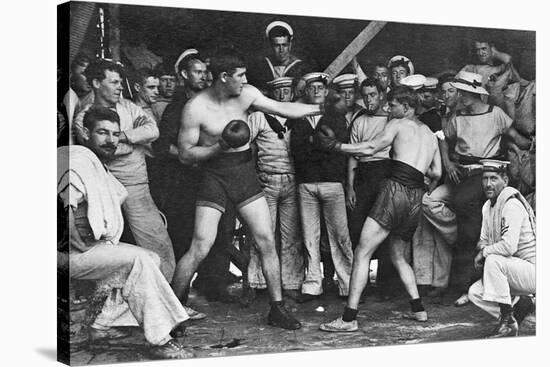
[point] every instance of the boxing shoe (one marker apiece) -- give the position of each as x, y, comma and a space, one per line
235, 134
325, 138
339, 326
280, 317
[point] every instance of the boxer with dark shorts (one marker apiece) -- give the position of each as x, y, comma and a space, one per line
229, 176
397, 207
395, 213
212, 134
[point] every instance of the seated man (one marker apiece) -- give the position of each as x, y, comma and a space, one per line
92, 197
507, 251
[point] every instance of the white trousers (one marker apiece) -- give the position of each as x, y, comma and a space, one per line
146, 299
503, 278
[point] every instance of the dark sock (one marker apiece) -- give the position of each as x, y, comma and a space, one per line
350, 314
505, 310
416, 305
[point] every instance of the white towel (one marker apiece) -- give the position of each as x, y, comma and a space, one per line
79, 167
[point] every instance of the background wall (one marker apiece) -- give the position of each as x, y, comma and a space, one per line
432, 48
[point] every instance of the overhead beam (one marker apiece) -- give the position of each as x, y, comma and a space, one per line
354, 47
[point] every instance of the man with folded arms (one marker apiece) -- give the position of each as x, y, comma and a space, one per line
507, 252
129, 166
92, 197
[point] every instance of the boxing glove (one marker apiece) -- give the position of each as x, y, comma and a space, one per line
335, 103
326, 139
235, 134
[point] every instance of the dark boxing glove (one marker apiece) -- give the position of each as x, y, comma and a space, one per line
326, 139
235, 135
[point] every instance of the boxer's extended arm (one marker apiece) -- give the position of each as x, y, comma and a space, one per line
293, 110
382, 140
188, 138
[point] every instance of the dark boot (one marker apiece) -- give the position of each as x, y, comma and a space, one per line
280, 317
523, 307
507, 326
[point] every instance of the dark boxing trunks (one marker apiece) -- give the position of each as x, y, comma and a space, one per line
399, 202
229, 177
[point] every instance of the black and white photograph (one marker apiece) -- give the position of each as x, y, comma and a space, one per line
247, 182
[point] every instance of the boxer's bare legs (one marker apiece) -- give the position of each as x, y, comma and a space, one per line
399, 253
372, 235
204, 235
257, 217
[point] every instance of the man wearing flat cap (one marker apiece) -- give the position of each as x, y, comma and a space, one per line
477, 130
320, 175
280, 62
507, 252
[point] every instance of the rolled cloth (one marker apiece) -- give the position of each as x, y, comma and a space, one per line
407, 175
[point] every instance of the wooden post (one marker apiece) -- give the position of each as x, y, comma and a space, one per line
114, 31
354, 48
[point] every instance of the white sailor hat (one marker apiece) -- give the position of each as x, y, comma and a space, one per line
469, 82
316, 77
430, 83
494, 165
278, 23
184, 54
345, 81
401, 60
281, 82
415, 81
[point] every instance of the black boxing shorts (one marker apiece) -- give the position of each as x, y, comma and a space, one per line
399, 202
229, 177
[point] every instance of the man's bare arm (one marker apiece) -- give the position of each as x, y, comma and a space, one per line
434, 171
188, 138
350, 191
450, 166
293, 110
382, 140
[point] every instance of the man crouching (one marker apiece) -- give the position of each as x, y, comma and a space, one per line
506, 252
92, 198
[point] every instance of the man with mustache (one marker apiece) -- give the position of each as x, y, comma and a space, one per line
128, 165
92, 197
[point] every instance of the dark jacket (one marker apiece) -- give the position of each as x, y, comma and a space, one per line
313, 164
